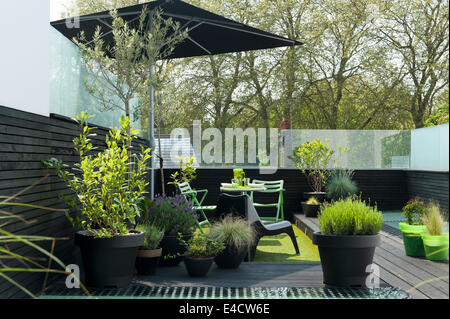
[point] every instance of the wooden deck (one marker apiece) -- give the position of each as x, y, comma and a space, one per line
265, 275
421, 278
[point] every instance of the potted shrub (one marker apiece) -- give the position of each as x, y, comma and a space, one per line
434, 240
341, 185
174, 215
200, 253
311, 207
149, 253
108, 186
313, 159
349, 234
413, 228
237, 235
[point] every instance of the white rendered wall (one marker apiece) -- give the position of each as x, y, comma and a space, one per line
24, 55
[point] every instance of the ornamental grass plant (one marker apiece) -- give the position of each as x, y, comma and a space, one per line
233, 232
350, 216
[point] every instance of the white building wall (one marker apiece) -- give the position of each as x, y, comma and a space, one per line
24, 55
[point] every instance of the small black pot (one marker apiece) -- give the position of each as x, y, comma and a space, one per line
320, 196
171, 246
108, 262
345, 258
147, 261
198, 267
310, 210
231, 257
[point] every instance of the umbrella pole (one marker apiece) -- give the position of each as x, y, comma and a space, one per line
152, 132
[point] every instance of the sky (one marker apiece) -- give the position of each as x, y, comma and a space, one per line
57, 8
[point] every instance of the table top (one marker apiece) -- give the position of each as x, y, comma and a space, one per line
242, 189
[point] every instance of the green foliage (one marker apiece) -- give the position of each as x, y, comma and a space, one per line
440, 117
350, 216
312, 201
172, 214
312, 159
152, 236
187, 172
414, 211
341, 185
109, 185
233, 231
123, 68
202, 246
434, 220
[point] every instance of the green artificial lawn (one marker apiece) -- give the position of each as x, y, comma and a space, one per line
279, 248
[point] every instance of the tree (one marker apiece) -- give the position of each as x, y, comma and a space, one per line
418, 32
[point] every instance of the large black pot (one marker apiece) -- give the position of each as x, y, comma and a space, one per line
172, 250
345, 258
231, 257
310, 210
198, 267
147, 261
108, 262
320, 196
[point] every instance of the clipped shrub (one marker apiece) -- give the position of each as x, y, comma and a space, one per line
350, 216
414, 211
340, 185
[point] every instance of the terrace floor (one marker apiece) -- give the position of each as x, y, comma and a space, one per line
421, 278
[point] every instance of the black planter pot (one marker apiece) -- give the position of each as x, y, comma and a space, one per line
171, 246
147, 261
231, 257
198, 267
108, 262
345, 258
310, 210
320, 196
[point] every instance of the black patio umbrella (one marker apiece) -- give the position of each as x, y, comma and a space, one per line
209, 34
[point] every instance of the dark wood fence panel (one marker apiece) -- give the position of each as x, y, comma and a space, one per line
385, 188
429, 186
25, 140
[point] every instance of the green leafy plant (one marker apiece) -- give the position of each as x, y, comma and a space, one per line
152, 236
313, 159
110, 184
414, 211
187, 172
350, 216
233, 231
172, 214
202, 246
340, 185
433, 220
312, 201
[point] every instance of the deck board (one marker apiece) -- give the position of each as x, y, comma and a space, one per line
423, 279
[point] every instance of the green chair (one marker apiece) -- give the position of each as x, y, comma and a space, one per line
191, 194
271, 187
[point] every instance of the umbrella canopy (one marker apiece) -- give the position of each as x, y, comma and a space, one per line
209, 33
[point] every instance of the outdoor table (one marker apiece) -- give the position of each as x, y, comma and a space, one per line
242, 190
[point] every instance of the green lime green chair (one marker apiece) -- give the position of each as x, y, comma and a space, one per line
191, 194
271, 187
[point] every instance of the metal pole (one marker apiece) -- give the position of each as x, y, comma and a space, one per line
151, 130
